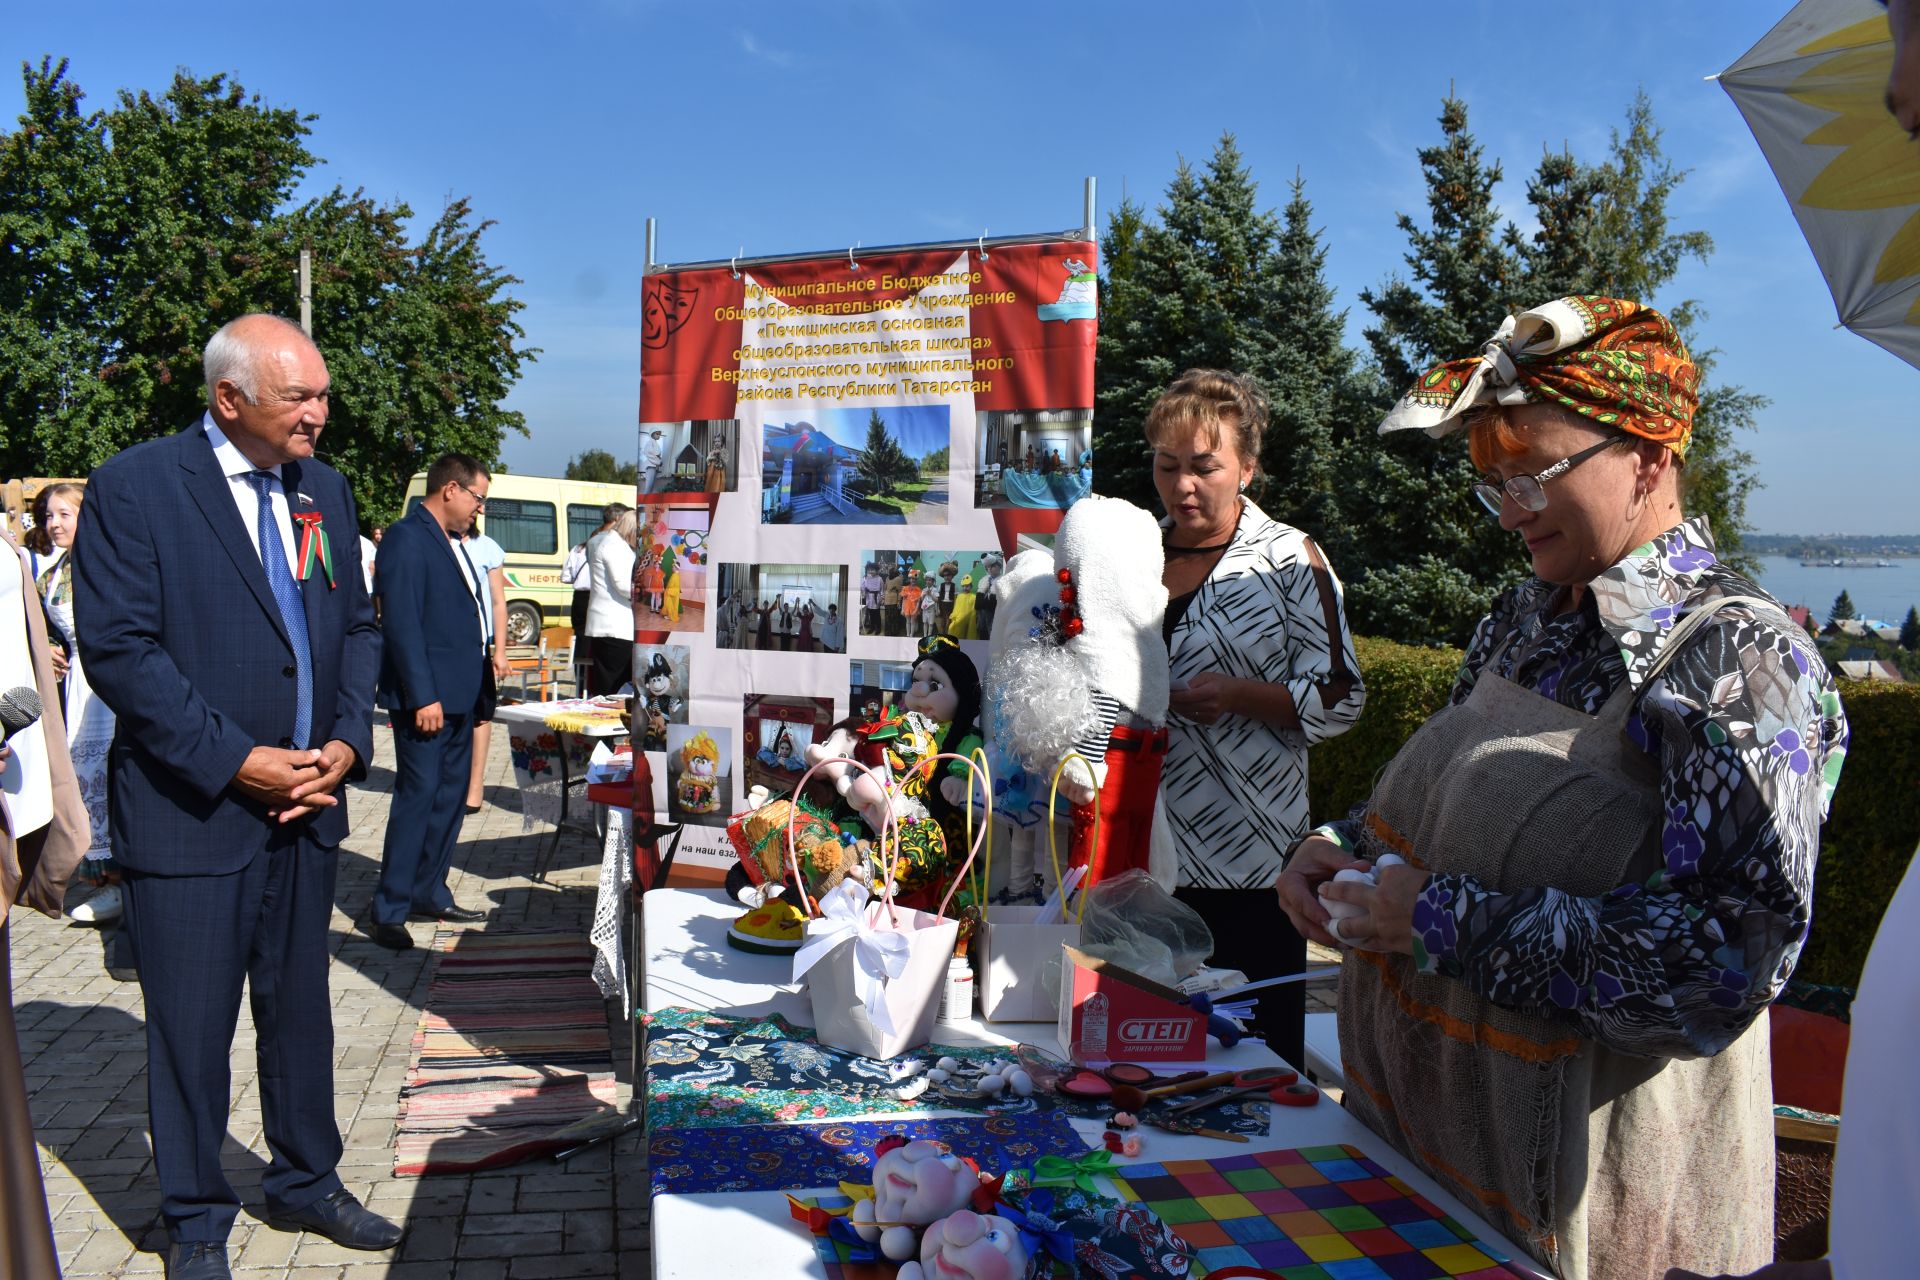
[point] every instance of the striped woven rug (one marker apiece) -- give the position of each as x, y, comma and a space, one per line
511, 1058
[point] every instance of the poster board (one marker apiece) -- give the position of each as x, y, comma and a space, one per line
834, 432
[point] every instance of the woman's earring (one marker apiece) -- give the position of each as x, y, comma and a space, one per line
1243, 486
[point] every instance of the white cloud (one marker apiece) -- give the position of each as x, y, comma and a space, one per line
754, 49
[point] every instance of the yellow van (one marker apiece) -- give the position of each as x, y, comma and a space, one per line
535, 519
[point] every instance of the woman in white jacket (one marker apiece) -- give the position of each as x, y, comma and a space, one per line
611, 560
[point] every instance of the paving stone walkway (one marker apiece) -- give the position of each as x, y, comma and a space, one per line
84, 1043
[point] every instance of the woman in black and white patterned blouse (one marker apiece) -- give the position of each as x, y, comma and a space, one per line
1262, 668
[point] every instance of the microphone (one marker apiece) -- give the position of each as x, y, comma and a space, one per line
19, 707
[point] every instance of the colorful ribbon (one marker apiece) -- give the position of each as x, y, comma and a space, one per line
1058, 1171
314, 546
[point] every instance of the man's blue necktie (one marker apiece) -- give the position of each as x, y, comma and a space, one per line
293, 611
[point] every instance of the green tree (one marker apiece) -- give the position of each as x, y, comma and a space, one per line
1843, 610
880, 458
1427, 560
1310, 381
127, 235
1207, 284
600, 466
1910, 630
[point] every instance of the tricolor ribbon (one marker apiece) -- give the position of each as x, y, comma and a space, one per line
878, 954
1058, 1171
314, 546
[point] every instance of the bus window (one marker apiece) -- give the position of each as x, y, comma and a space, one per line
522, 527
583, 522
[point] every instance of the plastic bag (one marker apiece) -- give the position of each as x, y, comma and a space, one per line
1133, 922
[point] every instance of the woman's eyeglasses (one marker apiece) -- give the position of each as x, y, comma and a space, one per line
1529, 492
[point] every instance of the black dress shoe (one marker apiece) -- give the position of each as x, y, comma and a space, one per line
394, 937
197, 1260
452, 915
341, 1219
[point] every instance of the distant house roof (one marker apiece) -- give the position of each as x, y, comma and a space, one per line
1871, 669
1800, 614
1885, 630
1850, 627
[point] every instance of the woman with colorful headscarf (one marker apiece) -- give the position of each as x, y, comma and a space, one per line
1554, 1003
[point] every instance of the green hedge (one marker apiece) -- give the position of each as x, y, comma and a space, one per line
1869, 837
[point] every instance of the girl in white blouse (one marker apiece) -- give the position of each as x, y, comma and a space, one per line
1262, 667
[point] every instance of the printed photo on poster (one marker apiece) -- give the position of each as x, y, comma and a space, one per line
663, 674
1036, 458
872, 687
670, 570
789, 608
777, 729
924, 593
699, 774
883, 465
701, 456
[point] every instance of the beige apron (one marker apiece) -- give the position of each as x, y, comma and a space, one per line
1600, 1164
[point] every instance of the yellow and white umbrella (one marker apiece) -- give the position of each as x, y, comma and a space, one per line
1814, 93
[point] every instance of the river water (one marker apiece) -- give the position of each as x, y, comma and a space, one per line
1884, 595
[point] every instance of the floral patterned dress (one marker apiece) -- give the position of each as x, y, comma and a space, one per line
1749, 735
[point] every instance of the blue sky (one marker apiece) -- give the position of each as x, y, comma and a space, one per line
801, 126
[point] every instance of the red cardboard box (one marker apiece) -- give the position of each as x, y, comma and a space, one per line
1111, 1014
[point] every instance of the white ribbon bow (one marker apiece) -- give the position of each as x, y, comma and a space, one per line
878, 954
1495, 380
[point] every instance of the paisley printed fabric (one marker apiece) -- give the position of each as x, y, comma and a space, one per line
1749, 735
703, 1070
1617, 362
787, 1157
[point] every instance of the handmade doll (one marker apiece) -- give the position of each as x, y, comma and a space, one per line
938, 714
914, 1184
1079, 667
698, 789
965, 1243
659, 704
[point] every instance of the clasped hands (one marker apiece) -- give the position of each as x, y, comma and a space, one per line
1387, 920
294, 783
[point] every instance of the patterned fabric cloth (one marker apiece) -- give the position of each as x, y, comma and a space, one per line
787, 1157
704, 1070
1749, 734
1235, 791
1616, 362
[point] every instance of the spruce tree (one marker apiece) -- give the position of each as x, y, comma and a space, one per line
1311, 380
1193, 288
1910, 630
1843, 610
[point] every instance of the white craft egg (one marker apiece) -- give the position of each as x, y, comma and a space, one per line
1021, 1083
911, 1089
1388, 860
1346, 910
948, 1064
939, 1075
992, 1084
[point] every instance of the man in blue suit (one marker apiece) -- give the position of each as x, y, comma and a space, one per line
239, 659
431, 603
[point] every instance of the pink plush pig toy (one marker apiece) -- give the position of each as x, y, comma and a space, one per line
971, 1245
914, 1184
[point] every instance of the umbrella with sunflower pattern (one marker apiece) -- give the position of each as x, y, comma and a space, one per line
1814, 93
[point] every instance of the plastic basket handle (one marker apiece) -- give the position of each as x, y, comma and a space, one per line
1053, 844
889, 827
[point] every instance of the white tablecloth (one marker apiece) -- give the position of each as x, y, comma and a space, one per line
688, 963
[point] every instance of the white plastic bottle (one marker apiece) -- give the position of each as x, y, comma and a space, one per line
956, 997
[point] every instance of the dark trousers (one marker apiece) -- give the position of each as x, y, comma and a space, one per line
197, 939
423, 822
578, 616
612, 665
1252, 934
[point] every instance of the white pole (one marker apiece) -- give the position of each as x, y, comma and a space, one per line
1091, 230
306, 291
